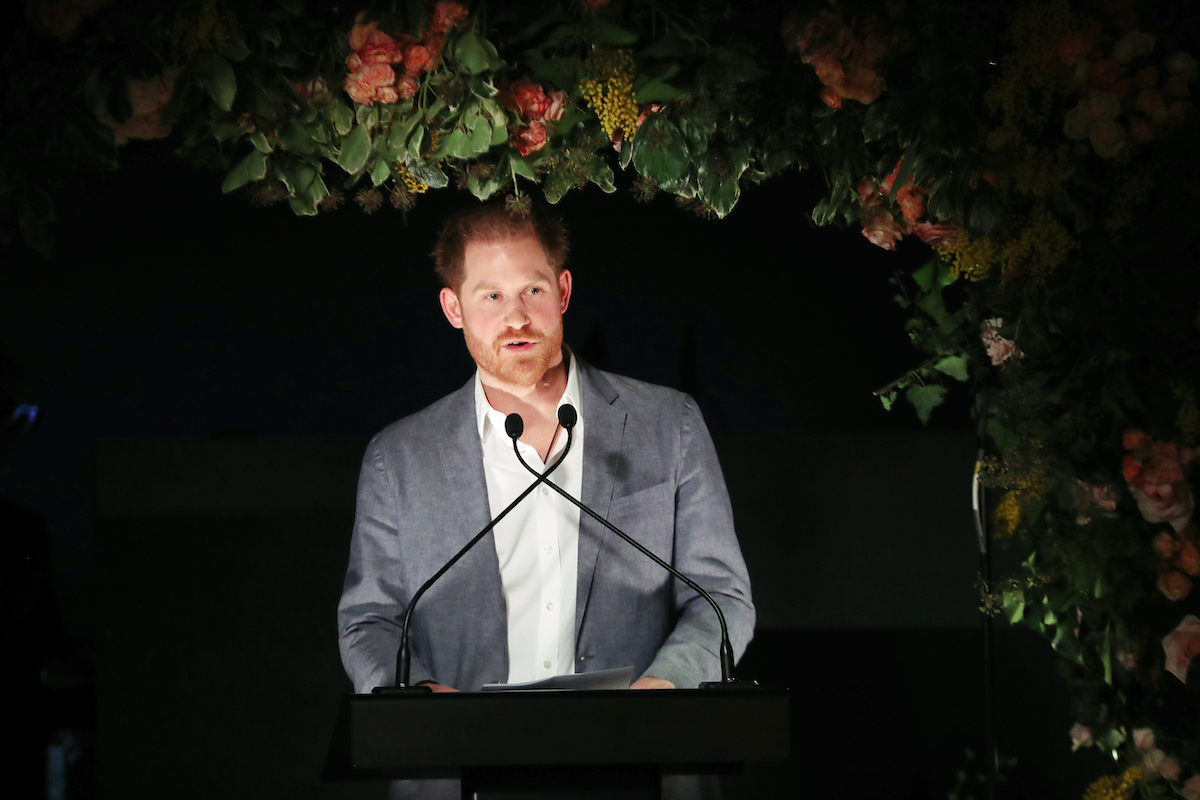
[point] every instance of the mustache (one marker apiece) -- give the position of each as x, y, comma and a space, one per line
527, 333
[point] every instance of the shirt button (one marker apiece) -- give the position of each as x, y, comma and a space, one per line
548, 549
549, 606
546, 664
545, 490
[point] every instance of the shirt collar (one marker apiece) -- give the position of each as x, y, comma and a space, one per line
488, 419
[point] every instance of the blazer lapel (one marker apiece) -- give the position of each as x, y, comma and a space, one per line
604, 429
462, 460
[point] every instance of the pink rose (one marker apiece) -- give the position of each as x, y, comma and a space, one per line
529, 138
830, 72
1107, 138
1153, 760
359, 90
881, 228
417, 58
1143, 740
1191, 788
1180, 646
1174, 585
1081, 736
386, 94
1183, 64
526, 98
148, 98
381, 49
406, 87
1169, 769
998, 348
1125, 658
447, 14
867, 187
354, 62
1132, 45
937, 235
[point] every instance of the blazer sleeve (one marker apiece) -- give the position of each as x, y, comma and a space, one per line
371, 611
707, 551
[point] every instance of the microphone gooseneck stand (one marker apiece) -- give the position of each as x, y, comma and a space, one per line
403, 657
567, 418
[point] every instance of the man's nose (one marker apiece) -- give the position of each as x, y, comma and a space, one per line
516, 315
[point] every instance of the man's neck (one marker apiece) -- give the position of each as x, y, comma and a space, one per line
540, 399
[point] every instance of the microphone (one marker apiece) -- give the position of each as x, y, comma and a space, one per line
514, 426
567, 417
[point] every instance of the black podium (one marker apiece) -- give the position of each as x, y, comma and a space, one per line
558, 744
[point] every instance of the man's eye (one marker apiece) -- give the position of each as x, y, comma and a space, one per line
535, 290
492, 296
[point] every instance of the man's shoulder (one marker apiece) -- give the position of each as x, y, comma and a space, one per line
636, 393
430, 422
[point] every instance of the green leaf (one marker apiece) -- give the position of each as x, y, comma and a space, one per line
601, 174
294, 136
659, 150
341, 117
481, 138
225, 130
367, 116
657, 91
1006, 440
925, 399
1066, 644
717, 174
455, 144
606, 34
355, 149
260, 142
874, 123
251, 168
556, 185
483, 188
298, 179
1014, 604
520, 166
398, 136
954, 366
215, 74
380, 172
480, 86
471, 51
416, 142
1106, 654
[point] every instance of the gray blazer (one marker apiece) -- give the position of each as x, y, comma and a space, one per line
649, 467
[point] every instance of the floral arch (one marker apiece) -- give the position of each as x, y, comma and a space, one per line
1042, 150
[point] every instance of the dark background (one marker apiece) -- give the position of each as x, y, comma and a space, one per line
209, 372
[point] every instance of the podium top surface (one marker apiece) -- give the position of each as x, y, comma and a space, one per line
426, 733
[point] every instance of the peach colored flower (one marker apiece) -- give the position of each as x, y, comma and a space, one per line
1132, 45
386, 94
1165, 544
354, 62
1134, 438
1191, 788
1188, 559
1125, 658
1143, 740
1107, 138
529, 138
936, 235
148, 98
1140, 130
1081, 736
381, 49
1183, 64
1181, 645
912, 203
360, 31
1169, 769
558, 107
1077, 122
830, 97
447, 14
60, 18
406, 87
1105, 73
1102, 106
1074, 47
881, 228
998, 348
526, 98
867, 188
1170, 504
1153, 760
1174, 585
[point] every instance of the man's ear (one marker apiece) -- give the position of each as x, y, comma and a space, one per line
451, 307
564, 289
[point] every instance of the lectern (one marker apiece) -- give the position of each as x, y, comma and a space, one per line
558, 744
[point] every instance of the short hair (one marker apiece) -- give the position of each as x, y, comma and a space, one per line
491, 223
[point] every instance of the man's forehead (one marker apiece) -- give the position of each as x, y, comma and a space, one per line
489, 260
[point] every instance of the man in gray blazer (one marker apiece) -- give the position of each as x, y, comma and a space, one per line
434, 479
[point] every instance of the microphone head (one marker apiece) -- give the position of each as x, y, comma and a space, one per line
514, 426
567, 416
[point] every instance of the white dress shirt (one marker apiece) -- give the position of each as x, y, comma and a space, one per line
537, 543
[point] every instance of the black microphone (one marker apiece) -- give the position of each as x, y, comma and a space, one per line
567, 418
514, 426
